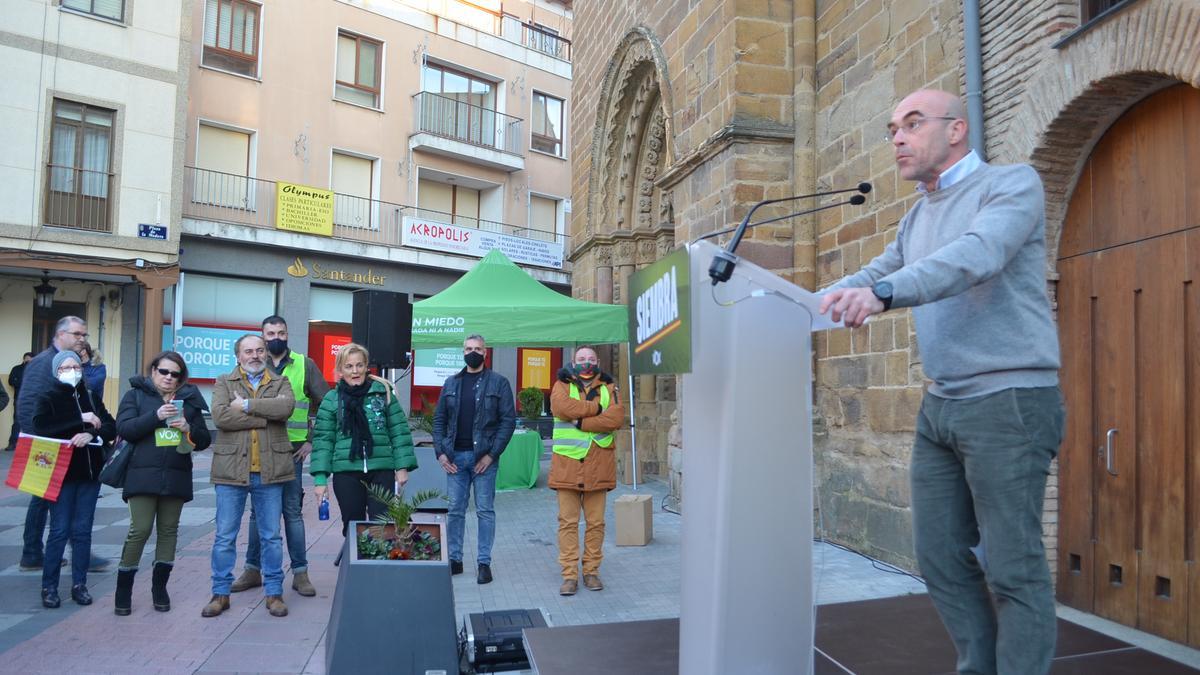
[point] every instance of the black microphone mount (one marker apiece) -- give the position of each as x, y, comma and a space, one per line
725, 260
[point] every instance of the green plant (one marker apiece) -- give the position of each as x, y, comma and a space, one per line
423, 420
409, 542
530, 400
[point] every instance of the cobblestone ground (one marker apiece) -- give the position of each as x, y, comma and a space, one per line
641, 583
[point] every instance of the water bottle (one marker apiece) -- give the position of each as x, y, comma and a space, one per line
323, 510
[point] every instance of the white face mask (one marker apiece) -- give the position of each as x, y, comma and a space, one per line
70, 378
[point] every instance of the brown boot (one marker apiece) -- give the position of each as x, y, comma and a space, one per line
218, 604
592, 582
251, 578
569, 587
302, 585
276, 606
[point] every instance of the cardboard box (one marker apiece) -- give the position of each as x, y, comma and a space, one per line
635, 519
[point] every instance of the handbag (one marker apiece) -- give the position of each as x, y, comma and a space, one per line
115, 466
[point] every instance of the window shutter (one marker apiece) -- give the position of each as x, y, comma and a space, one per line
345, 58
210, 23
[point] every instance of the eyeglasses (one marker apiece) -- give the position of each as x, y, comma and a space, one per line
62, 368
910, 126
76, 334
169, 373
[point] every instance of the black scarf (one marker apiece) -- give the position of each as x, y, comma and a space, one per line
354, 417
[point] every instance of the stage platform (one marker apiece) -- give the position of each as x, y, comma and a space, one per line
873, 637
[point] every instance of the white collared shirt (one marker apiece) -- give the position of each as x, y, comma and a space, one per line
957, 171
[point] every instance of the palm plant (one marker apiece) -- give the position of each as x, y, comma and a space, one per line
397, 512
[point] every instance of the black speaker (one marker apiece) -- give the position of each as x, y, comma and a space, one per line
382, 322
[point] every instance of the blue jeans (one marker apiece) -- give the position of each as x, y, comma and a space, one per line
231, 504
70, 518
293, 527
979, 468
35, 525
458, 485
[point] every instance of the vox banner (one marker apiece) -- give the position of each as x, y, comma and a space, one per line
660, 317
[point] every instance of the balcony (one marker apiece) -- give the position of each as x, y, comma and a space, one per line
536, 38
239, 200
453, 128
78, 198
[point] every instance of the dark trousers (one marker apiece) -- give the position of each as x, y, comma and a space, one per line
353, 500
16, 429
71, 519
35, 525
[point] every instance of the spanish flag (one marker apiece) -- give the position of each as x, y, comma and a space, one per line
39, 465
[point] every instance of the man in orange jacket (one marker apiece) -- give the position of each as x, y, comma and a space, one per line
587, 410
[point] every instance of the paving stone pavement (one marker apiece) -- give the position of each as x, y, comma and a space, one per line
641, 583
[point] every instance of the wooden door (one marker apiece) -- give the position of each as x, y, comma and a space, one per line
1130, 335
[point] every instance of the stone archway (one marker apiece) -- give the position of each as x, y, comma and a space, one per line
629, 221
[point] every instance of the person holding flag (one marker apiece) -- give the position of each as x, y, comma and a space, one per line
66, 410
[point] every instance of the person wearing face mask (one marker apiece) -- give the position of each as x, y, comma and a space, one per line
67, 410
360, 437
309, 388
472, 424
252, 457
583, 468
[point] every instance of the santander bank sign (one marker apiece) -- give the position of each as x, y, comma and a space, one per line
438, 236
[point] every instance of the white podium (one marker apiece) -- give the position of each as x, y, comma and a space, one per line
746, 601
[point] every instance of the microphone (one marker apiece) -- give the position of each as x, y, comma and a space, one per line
723, 263
856, 200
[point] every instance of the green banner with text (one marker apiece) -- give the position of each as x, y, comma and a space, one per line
660, 316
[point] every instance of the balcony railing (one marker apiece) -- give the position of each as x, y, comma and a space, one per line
240, 200
535, 37
79, 198
461, 121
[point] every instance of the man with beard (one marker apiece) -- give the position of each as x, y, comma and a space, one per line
251, 456
472, 425
308, 386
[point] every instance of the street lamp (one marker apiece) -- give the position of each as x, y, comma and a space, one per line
45, 292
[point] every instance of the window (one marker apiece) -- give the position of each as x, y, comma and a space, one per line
547, 124
351, 178
78, 178
543, 218
445, 202
545, 40
222, 167
463, 106
1090, 9
231, 36
109, 9
358, 69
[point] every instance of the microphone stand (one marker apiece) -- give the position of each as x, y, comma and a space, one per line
725, 260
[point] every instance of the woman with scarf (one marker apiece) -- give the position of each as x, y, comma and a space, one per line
360, 437
67, 410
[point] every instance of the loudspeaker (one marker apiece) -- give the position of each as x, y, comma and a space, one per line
382, 322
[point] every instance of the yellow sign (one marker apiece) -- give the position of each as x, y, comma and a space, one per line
369, 277
535, 368
300, 208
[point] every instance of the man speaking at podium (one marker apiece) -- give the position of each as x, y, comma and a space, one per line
970, 259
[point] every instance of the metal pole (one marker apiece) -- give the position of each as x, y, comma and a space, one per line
973, 55
632, 416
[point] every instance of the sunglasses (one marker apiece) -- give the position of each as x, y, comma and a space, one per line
169, 373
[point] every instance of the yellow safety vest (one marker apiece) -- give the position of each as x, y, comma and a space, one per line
297, 424
575, 443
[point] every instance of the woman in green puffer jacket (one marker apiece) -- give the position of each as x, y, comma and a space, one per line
360, 436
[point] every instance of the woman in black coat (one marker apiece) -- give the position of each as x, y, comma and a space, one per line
66, 410
158, 480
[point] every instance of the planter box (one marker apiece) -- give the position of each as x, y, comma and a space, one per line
393, 616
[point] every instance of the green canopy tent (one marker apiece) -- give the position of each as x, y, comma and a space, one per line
501, 302
509, 308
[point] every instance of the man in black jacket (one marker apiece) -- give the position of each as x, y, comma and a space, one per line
472, 425
14, 381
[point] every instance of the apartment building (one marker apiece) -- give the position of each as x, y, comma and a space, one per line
335, 145
92, 115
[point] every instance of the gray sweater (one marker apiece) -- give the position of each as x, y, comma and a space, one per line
971, 262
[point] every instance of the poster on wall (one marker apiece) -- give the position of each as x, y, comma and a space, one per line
437, 236
300, 208
535, 368
431, 367
208, 352
324, 349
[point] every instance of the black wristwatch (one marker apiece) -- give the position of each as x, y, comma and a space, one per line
883, 291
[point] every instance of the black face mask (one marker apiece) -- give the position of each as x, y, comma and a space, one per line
473, 359
277, 346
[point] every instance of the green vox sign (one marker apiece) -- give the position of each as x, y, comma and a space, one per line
660, 316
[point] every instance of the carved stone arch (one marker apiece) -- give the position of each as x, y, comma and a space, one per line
635, 95
1084, 86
